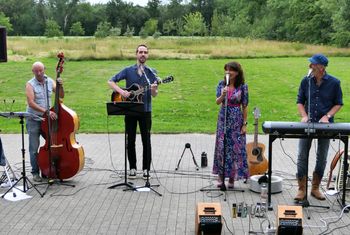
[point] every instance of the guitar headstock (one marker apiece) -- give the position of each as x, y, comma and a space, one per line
168, 79
59, 67
256, 113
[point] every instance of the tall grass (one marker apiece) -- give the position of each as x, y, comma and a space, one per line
90, 48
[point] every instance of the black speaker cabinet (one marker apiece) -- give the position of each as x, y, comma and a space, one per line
208, 219
3, 48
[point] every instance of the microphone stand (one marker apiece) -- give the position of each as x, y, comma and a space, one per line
305, 203
223, 186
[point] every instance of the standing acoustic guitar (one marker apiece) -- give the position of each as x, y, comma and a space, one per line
257, 162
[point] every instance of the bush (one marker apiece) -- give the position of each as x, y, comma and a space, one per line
52, 29
143, 33
77, 29
103, 29
129, 32
157, 34
342, 39
115, 31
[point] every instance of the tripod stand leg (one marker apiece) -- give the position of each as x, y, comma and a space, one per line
177, 167
194, 160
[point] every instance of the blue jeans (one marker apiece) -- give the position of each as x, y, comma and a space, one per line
34, 132
303, 157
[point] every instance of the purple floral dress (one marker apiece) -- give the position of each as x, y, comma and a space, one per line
236, 165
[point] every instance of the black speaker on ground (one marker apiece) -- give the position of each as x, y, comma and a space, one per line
3, 48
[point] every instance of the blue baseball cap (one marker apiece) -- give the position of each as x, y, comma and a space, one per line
319, 59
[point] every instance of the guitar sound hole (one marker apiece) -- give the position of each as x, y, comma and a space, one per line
256, 151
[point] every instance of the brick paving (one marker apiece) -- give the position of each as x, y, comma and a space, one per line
91, 208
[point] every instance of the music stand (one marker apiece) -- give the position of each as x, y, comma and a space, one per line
26, 181
124, 108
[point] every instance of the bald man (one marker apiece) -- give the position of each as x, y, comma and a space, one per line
36, 91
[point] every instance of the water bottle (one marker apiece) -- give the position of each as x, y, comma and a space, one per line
204, 159
263, 197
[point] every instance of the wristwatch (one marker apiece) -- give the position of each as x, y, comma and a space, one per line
329, 116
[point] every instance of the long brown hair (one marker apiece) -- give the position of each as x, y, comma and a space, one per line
235, 66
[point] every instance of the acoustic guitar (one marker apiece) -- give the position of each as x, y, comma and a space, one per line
257, 162
338, 158
136, 91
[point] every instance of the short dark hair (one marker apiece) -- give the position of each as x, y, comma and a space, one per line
141, 45
235, 66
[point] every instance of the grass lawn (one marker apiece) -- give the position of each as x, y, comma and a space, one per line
186, 105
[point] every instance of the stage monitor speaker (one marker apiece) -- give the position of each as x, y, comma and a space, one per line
290, 220
208, 218
3, 48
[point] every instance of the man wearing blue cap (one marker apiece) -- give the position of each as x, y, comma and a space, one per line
325, 101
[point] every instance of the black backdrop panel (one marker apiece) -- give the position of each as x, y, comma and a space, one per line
3, 49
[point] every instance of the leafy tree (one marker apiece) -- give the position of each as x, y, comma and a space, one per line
129, 31
206, 8
150, 26
114, 31
77, 29
21, 15
103, 29
5, 21
194, 24
143, 34
52, 29
169, 27
153, 8
62, 11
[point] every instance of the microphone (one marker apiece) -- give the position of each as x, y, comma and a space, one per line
227, 76
13, 101
309, 73
5, 104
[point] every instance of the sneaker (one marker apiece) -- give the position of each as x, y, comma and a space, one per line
132, 174
37, 178
144, 176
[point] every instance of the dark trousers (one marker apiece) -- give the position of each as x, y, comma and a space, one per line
145, 123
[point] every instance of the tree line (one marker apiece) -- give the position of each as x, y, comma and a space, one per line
309, 21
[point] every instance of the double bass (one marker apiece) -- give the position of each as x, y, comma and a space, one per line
61, 157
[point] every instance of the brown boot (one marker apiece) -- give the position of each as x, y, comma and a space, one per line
315, 192
302, 189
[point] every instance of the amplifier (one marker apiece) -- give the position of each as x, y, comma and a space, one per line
208, 218
290, 220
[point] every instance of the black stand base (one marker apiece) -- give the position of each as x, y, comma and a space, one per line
187, 146
51, 182
149, 186
127, 184
306, 204
26, 182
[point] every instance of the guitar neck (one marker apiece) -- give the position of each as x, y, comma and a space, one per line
256, 130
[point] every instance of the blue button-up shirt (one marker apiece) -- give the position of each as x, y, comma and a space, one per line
130, 75
323, 97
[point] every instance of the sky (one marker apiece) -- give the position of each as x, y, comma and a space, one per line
136, 2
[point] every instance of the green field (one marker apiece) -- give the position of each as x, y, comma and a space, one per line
273, 72
186, 105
